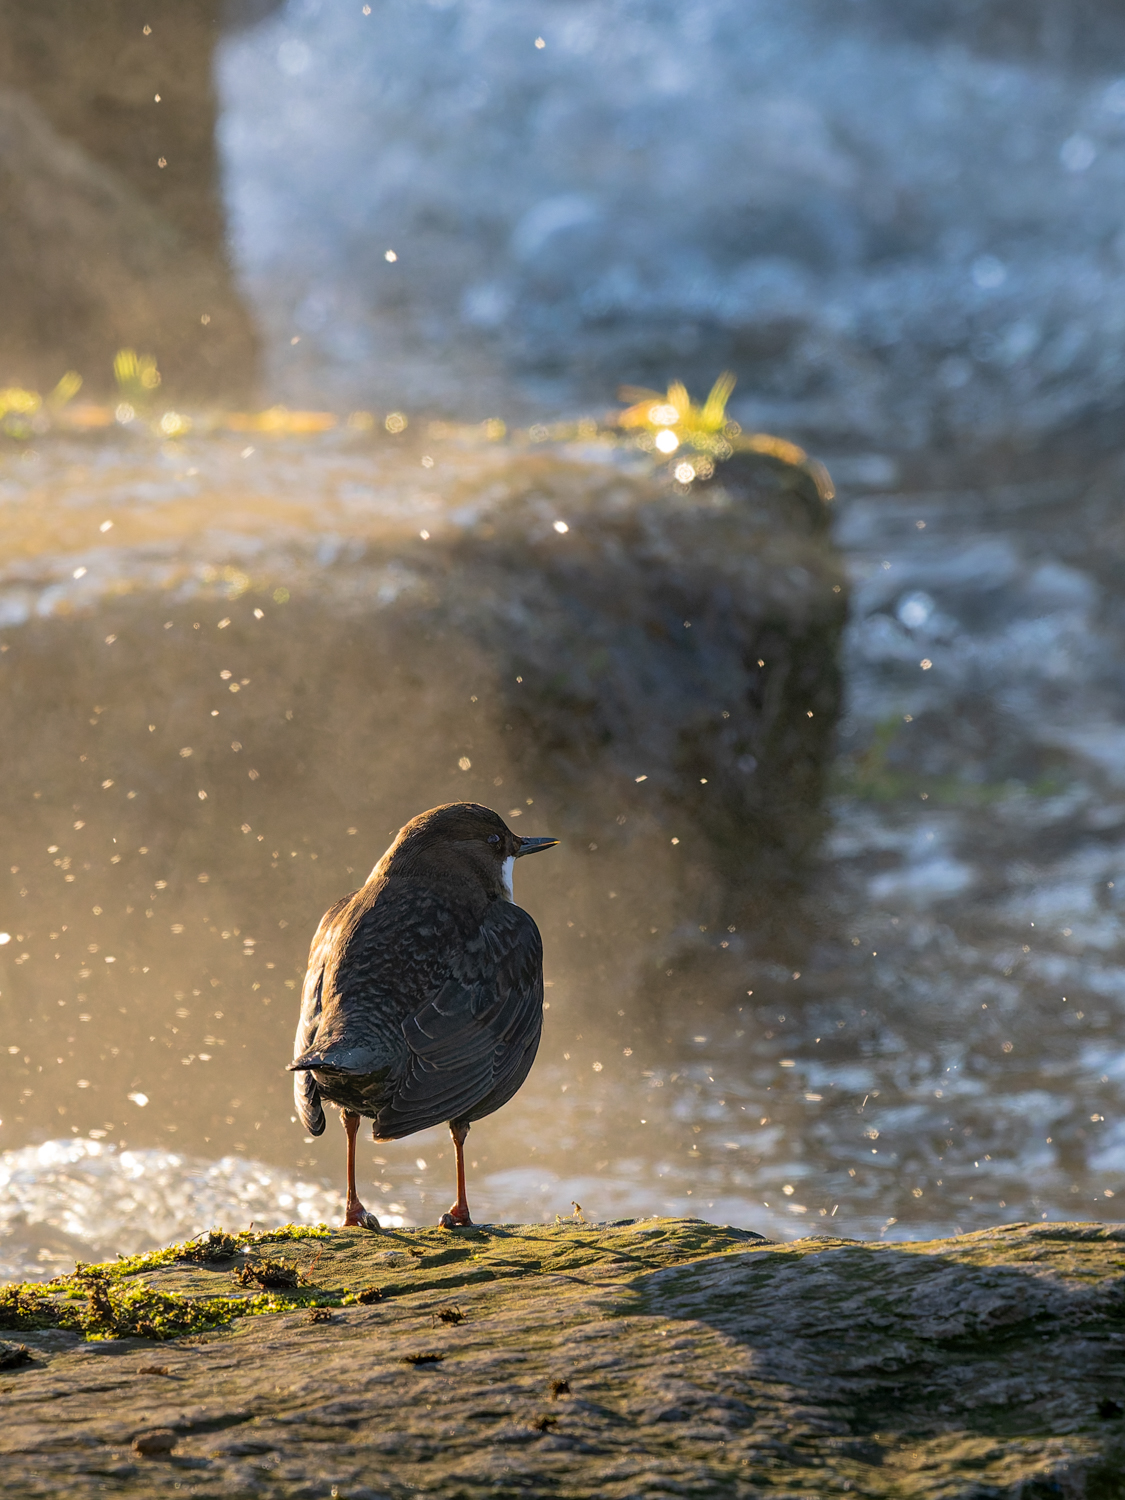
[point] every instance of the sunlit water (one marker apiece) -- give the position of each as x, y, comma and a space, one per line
933, 1046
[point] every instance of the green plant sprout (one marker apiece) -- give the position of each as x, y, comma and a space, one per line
68, 387
136, 375
17, 409
673, 421
665, 424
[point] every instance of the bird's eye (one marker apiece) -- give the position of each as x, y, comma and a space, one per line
493, 838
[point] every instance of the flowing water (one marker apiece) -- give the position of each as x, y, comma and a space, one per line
898, 222
205, 745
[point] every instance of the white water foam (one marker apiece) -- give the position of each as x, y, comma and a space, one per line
82, 1199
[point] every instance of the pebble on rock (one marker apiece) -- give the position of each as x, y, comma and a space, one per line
158, 1442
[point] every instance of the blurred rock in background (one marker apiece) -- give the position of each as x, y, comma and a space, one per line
900, 226
689, 641
110, 198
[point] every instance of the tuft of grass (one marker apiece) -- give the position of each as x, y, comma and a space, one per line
704, 427
707, 431
67, 388
137, 376
18, 409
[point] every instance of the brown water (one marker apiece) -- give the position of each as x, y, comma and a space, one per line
205, 743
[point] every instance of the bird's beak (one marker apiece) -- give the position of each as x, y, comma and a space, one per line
533, 846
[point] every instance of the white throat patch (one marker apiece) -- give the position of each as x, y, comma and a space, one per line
507, 877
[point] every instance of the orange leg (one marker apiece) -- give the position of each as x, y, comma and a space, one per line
458, 1216
355, 1215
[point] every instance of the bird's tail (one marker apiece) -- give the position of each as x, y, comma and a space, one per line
337, 1057
306, 1095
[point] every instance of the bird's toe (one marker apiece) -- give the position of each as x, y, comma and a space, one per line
361, 1219
447, 1221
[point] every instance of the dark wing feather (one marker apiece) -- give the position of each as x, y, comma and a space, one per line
472, 1044
306, 1095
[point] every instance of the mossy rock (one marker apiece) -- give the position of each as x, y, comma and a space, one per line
651, 1358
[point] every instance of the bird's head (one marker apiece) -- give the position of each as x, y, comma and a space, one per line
461, 841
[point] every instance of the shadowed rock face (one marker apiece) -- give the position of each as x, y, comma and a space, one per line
94, 74
114, 229
687, 644
644, 1358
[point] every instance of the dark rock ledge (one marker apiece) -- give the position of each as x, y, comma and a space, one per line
652, 1358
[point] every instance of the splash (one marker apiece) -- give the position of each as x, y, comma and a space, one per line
68, 1199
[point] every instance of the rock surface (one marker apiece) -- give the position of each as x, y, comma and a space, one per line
109, 192
648, 1358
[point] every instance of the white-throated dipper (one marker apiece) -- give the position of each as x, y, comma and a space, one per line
423, 999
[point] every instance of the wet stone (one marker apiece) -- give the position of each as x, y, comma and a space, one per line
599, 1359
155, 1444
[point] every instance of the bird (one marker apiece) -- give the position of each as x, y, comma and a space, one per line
423, 997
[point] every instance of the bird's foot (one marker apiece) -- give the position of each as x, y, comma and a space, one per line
453, 1220
358, 1217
